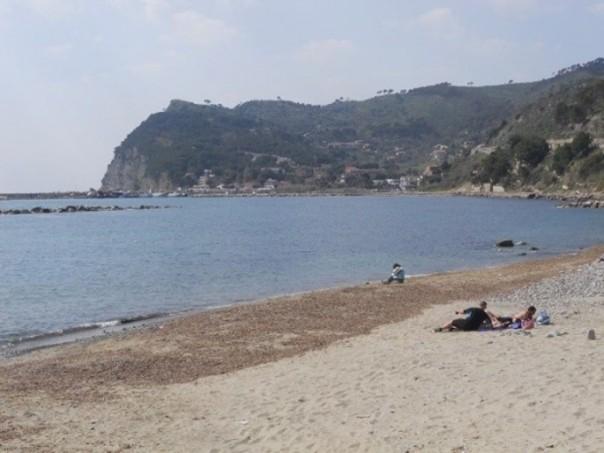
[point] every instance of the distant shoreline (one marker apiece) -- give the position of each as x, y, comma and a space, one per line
314, 193
566, 200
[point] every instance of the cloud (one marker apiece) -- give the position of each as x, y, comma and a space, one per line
155, 10
193, 28
597, 8
4, 7
180, 27
151, 10
514, 6
489, 47
437, 17
440, 22
146, 69
58, 50
119, 4
52, 9
324, 51
235, 4
444, 25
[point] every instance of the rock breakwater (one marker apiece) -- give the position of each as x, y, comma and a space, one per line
73, 209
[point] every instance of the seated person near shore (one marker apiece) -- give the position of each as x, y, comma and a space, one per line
475, 316
397, 275
524, 316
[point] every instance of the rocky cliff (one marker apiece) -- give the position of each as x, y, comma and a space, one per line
128, 172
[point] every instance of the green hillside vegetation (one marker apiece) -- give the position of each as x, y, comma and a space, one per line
580, 163
186, 139
387, 136
527, 161
560, 113
570, 117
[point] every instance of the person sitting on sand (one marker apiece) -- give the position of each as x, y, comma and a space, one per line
475, 316
524, 318
397, 275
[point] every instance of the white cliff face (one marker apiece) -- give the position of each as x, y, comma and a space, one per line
127, 172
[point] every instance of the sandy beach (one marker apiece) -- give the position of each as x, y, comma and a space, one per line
354, 369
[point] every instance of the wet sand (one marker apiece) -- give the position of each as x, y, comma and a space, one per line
241, 378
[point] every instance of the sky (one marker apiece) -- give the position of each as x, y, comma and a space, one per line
76, 76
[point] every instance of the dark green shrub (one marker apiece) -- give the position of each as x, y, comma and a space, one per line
562, 158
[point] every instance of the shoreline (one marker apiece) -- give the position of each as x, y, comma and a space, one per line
92, 331
239, 310
331, 370
98, 330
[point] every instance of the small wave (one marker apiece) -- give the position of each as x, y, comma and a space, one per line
39, 337
142, 318
108, 323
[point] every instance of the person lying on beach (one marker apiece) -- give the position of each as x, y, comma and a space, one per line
524, 318
475, 316
397, 275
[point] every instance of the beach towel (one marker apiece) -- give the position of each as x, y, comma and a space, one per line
528, 324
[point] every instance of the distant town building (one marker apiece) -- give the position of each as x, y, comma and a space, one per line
203, 181
432, 170
482, 149
346, 145
269, 186
408, 183
555, 143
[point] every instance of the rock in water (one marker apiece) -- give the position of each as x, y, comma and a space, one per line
505, 243
591, 335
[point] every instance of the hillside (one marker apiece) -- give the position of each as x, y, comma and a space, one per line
555, 143
346, 143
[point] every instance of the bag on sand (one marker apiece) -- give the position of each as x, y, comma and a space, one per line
543, 319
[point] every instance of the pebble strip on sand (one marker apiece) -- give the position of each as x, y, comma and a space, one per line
561, 296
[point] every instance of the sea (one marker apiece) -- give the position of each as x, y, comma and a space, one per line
63, 272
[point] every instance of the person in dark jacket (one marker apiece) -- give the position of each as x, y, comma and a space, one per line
474, 318
397, 275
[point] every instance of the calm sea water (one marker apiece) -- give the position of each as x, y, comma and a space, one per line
61, 271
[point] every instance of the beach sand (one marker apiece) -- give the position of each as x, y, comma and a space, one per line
355, 369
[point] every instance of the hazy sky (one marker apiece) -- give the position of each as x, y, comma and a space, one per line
78, 75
